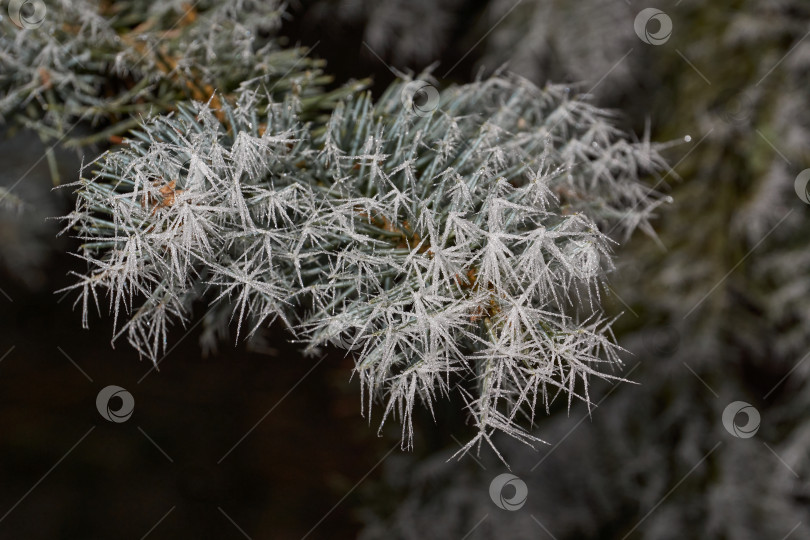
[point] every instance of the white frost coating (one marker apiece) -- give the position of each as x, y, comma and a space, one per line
457, 251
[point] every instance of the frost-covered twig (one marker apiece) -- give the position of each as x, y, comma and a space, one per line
464, 243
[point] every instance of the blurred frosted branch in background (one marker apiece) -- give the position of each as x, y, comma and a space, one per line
111, 63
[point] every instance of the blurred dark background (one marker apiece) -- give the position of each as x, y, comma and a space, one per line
259, 441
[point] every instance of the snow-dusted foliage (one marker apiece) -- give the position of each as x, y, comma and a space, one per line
459, 249
109, 63
722, 309
93, 70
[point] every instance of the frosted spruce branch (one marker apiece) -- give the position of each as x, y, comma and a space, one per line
459, 247
93, 70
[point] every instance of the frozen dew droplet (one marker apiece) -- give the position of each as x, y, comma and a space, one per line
688, 138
